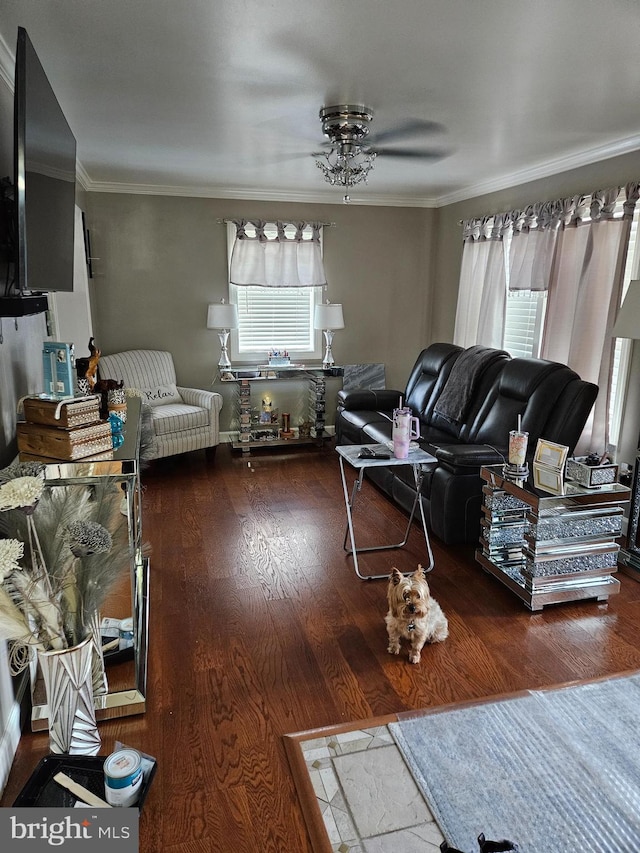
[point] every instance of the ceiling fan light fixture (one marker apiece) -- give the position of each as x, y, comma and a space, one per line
345, 164
346, 168
351, 151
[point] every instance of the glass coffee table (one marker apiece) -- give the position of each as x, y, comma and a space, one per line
417, 459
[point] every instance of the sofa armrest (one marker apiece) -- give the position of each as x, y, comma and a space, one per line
468, 458
384, 400
205, 399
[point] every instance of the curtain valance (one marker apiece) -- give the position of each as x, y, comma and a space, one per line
533, 231
277, 254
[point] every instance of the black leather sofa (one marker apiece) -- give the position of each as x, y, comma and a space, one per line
551, 399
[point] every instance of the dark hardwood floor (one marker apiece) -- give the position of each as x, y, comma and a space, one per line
259, 628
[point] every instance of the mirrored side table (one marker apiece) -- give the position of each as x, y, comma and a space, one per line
546, 548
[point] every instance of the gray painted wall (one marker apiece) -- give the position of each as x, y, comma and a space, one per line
164, 259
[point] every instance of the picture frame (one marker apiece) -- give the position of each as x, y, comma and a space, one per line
548, 479
550, 454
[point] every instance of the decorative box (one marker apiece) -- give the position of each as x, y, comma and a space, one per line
591, 476
63, 414
65, 444
279, 361
58, 367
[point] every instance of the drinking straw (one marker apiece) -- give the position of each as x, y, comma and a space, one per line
519, 423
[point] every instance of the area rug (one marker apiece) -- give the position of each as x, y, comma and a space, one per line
554, 770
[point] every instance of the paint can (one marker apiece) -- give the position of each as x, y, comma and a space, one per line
123, 777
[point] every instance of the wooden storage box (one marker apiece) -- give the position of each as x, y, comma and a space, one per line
66, 415
66, 444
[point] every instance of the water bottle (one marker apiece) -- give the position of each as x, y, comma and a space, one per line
405, 427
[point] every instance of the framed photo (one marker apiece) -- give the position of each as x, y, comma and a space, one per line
548, 479
548, 453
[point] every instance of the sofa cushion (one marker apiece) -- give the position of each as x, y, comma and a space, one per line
160, 395
353, 424
177, 417
528, 387
429, 376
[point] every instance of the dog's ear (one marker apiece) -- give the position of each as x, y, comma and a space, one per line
419, 573
395, 576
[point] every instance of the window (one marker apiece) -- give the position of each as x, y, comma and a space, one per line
273, 317
524, 324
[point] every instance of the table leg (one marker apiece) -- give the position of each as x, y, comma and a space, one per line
349, 502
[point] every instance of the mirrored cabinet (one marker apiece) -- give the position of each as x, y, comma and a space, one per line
116, 481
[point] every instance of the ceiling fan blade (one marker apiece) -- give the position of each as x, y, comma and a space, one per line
410, 127
411, 153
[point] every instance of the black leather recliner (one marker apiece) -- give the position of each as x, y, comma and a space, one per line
550, 398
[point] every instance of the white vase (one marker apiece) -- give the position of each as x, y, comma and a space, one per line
98, 672
69, 688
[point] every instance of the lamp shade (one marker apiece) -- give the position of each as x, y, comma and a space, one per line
222, 315
627, 323
328, 316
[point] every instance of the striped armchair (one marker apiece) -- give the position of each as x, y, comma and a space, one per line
183, 419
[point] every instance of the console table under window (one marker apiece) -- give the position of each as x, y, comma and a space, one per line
253, 432
551, 548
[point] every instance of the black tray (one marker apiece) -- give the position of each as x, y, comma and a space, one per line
87, 770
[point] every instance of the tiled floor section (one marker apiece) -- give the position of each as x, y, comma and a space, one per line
367, 795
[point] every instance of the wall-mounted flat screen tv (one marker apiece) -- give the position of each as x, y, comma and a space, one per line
45, 179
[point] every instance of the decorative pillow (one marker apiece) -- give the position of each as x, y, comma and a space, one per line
160, 395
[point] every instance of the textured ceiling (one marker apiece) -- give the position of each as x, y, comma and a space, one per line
222, 99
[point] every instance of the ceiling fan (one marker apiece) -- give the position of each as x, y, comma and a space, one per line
351, 148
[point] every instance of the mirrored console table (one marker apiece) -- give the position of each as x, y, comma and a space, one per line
255, 432
120, 477
549, 548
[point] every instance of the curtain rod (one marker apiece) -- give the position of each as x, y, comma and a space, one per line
226, 222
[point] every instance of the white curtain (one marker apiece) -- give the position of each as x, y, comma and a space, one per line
584, 295
293, 258
575, 249
533, 245
482, 291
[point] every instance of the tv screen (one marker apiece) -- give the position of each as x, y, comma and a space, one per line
45, 175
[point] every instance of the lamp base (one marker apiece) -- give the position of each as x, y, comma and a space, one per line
224, 363
328, 360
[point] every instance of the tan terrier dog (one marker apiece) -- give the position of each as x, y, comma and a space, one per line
413, 614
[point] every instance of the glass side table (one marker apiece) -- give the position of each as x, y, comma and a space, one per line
549, 548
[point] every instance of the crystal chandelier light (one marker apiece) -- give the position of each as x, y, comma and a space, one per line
347, 162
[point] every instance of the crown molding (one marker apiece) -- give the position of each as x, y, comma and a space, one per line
544, 170
256, 195
82, 176
502, 182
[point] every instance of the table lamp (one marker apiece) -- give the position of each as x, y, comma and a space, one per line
223, 317
627, 325
328, 317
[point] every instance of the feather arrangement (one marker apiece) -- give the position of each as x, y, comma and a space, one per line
65, 548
